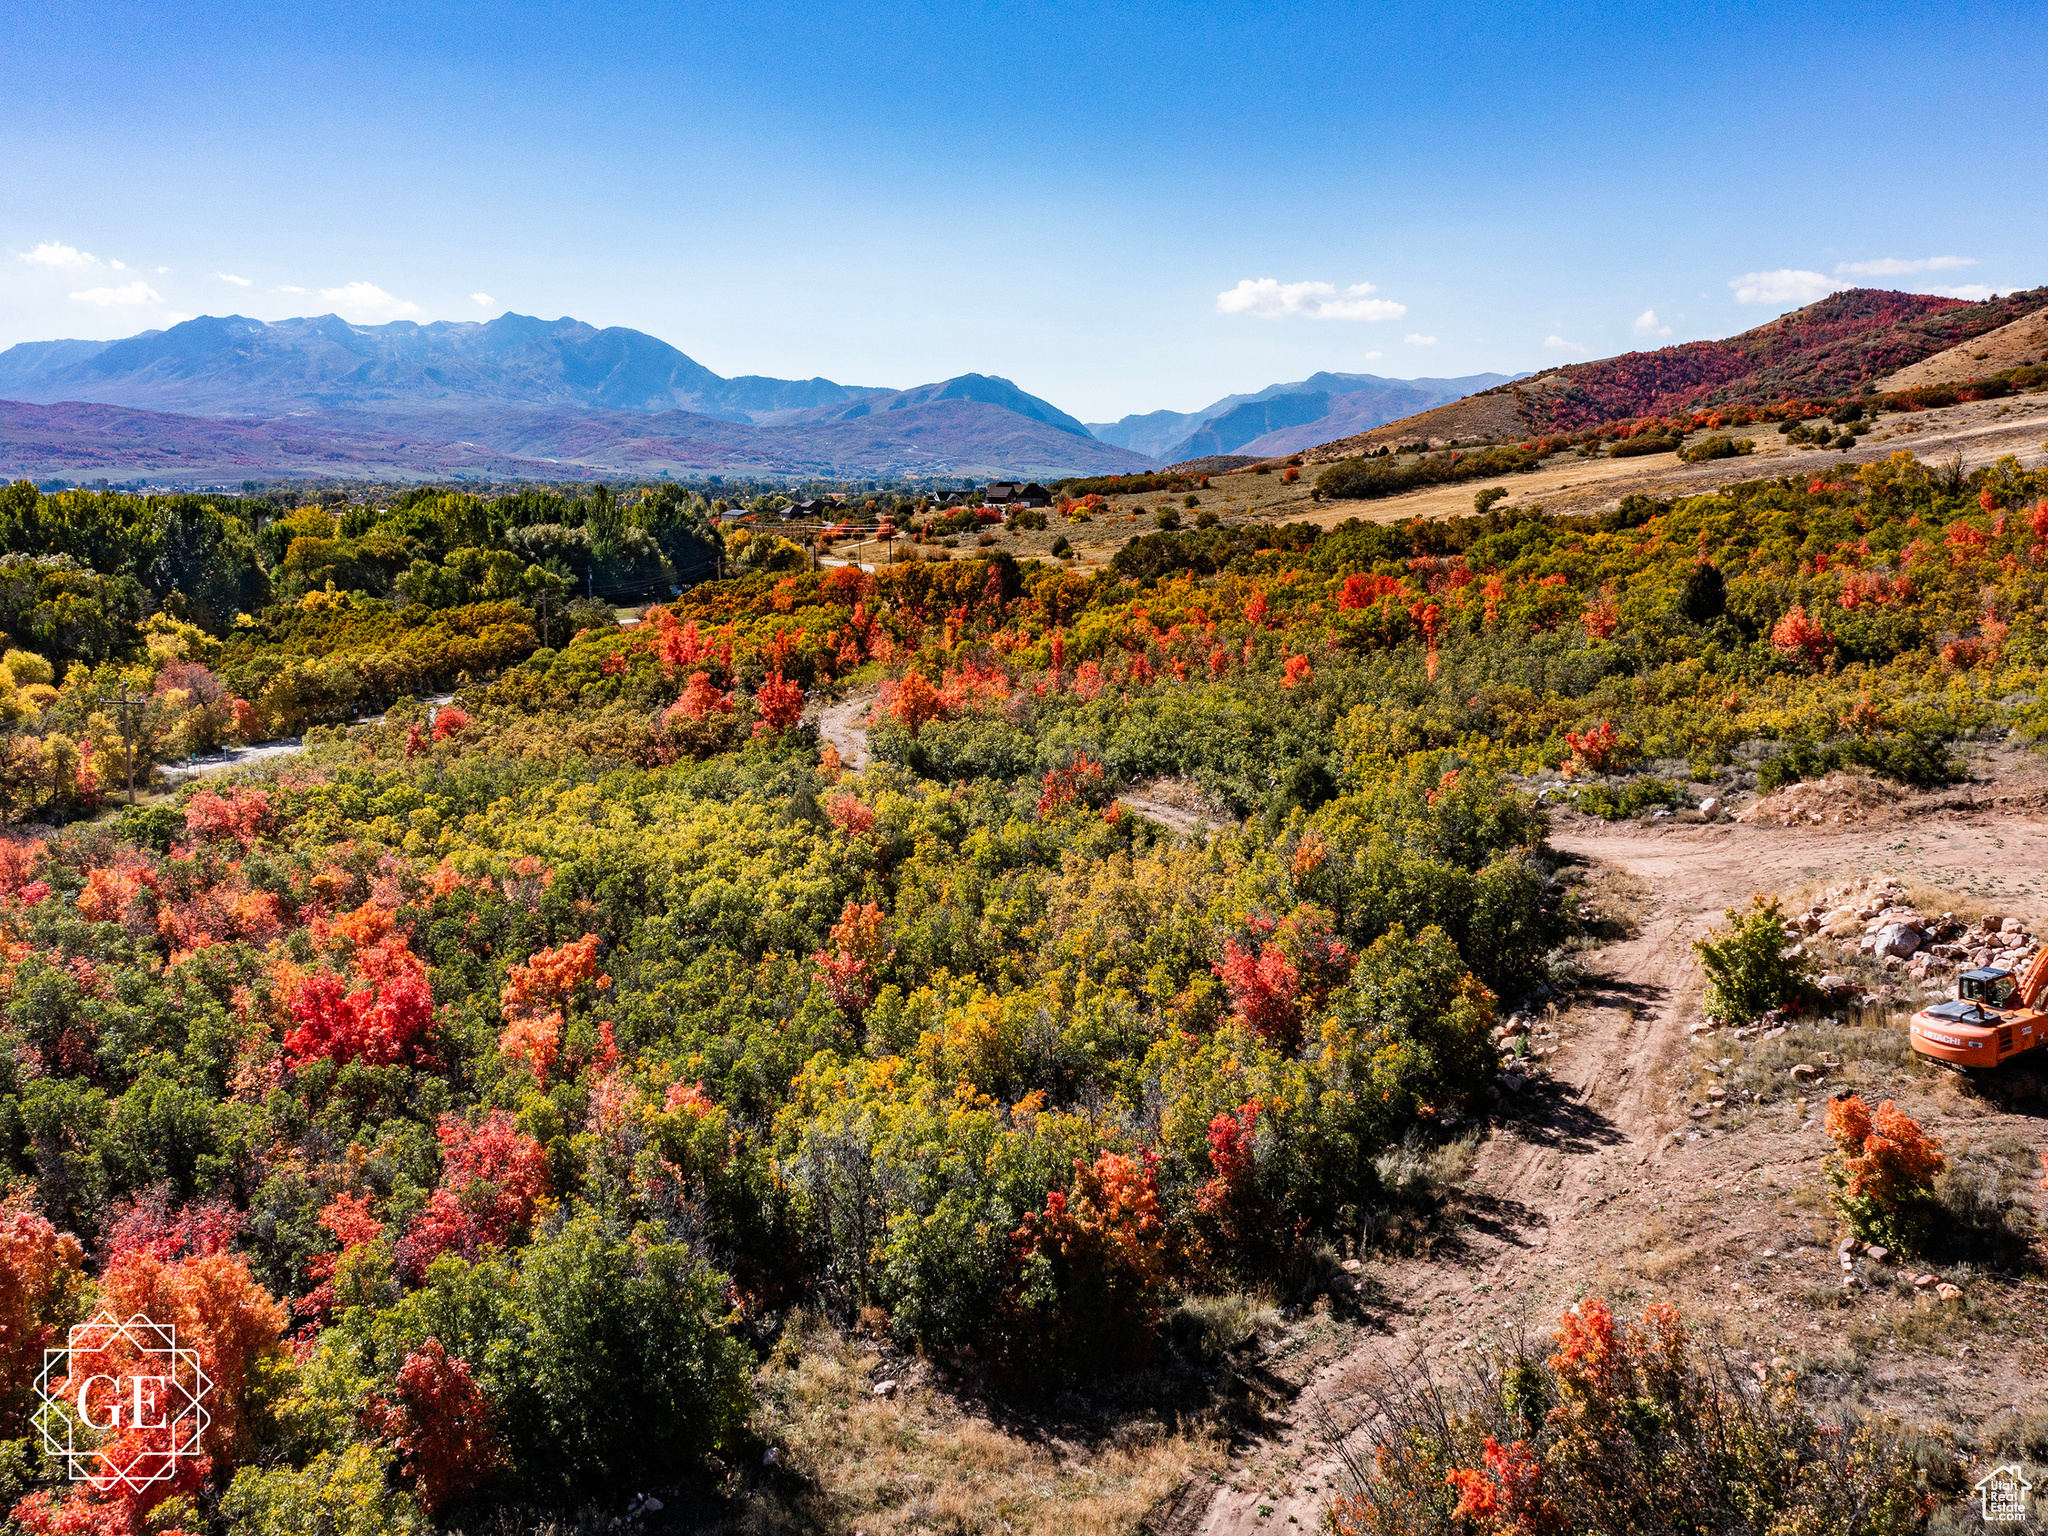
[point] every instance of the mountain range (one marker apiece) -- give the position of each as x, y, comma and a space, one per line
225, 396
1283, 418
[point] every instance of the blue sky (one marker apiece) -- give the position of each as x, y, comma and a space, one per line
889, 194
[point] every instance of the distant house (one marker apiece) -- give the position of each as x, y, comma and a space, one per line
1000, 493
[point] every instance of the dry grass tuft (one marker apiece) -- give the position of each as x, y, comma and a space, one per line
923, 1461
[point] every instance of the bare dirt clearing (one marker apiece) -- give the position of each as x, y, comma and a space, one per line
1595, 1183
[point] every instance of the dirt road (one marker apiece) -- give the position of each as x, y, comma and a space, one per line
1592, 1151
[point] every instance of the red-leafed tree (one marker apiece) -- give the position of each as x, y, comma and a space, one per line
441, 1424
1796, 636
382, 1018
1265, 992
41, 1276
492, 1178
240, 814
780, 704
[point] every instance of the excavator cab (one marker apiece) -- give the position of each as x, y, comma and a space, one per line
1991, 986
1993, 1017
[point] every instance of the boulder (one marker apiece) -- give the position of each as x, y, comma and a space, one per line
1877, 1255
885, 1389
1835, 984
1896, 940
1948, 1292
1805, 1072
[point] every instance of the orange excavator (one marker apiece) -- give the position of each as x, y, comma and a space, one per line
1992, 1019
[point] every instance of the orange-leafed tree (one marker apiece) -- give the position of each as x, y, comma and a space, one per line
534, 996
1883, 1172
1085, 1295
852, 960
779, 703
916, 703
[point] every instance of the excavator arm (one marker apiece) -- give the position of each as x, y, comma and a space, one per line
2035, 982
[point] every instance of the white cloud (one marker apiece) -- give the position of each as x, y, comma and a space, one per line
1417, 339
1270, 299
118, 266
52, 253
229, 277
137, 292
1559, 344
176, 317
366, 301
160, 271
1647, 324
1967, 291
1372, 357
291, 288
1787, 285
1893, 266
484, 299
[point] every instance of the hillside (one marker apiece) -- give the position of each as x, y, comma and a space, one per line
1859, 337
2023, 341
762, 987
1832, 347
228, 365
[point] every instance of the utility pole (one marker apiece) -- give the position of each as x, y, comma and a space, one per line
128, 735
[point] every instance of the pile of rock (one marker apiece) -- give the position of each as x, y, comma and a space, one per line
1837, 799
1875, 918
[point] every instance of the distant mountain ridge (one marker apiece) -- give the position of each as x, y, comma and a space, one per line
230, 365
1283, 417
510, 397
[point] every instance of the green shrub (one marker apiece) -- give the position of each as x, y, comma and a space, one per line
1719, 446
1166, 518
1749, 971
1903, 758
338, 1493
608, 1357
1645, 443
1630, 799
